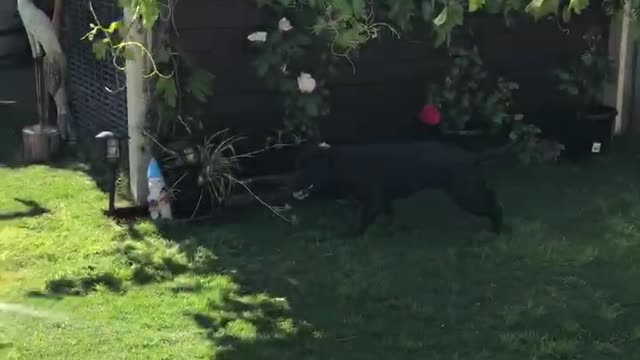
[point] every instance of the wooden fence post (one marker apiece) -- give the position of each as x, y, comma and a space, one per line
139, 152
618, 94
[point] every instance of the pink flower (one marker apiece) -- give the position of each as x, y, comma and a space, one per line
430, 115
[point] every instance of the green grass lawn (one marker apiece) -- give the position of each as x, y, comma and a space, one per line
562, 284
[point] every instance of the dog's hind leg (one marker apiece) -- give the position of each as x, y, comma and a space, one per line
474, 196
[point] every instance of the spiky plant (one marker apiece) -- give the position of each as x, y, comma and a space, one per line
219, 162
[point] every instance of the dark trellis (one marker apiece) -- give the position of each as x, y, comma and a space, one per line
96, 88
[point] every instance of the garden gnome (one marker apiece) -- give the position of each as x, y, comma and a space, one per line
159, 198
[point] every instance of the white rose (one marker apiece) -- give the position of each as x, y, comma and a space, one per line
284, 25
306, 83
258, 36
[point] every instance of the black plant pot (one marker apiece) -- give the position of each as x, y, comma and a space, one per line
189, 198
599, 122
582, 136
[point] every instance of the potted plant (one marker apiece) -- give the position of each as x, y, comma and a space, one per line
200, 172
473, 109
584, 83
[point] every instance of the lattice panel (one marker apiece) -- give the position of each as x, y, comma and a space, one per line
97, 93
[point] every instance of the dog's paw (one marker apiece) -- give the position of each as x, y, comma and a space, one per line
504, 229
353, 233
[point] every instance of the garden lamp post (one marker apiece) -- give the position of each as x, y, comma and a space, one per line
112, 156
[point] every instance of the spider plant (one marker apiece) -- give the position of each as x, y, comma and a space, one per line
217, 162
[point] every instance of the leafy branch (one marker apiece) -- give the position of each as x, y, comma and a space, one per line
113, 42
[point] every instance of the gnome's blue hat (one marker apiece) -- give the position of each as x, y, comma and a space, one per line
153, 170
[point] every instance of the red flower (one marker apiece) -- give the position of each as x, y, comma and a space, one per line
430, 115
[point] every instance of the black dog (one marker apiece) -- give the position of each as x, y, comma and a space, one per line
378, 174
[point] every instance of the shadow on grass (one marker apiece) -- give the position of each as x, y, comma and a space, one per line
35, 209
438, 288
80, 286
248, 331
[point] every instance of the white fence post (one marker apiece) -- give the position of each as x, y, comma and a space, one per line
139, 154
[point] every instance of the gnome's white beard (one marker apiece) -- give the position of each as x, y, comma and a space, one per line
159, 199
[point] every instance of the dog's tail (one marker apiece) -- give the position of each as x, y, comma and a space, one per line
492, 154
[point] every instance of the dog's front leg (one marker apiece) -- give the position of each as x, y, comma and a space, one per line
371, 204
389, 215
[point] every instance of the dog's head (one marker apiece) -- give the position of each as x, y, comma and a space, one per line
312, 175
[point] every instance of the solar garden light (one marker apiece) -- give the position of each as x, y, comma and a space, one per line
111, 155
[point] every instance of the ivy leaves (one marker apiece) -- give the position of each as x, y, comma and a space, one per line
542, 8
166, 87
475, 5
199, 84
350, 8
451, 15
401, 12
147, 10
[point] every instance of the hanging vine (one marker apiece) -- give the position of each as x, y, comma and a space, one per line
176, 87
297, 55
318, 34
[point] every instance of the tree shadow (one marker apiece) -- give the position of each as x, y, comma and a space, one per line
35, 209
82, 285
229, 323
439, 287
307, 293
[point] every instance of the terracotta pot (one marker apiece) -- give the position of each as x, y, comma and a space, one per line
40, 144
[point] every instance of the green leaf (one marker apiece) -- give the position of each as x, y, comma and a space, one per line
427, 10
496, 6
199, 84
578, 5
166, 87
114, 26
312, 107
125, 3
541, 8
452, 15
358, 8
128, 53
475, 5
566, 14
441, 19
163, 55
343, 7
401, 12
99, 48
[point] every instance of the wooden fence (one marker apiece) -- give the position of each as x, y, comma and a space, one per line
379, 102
